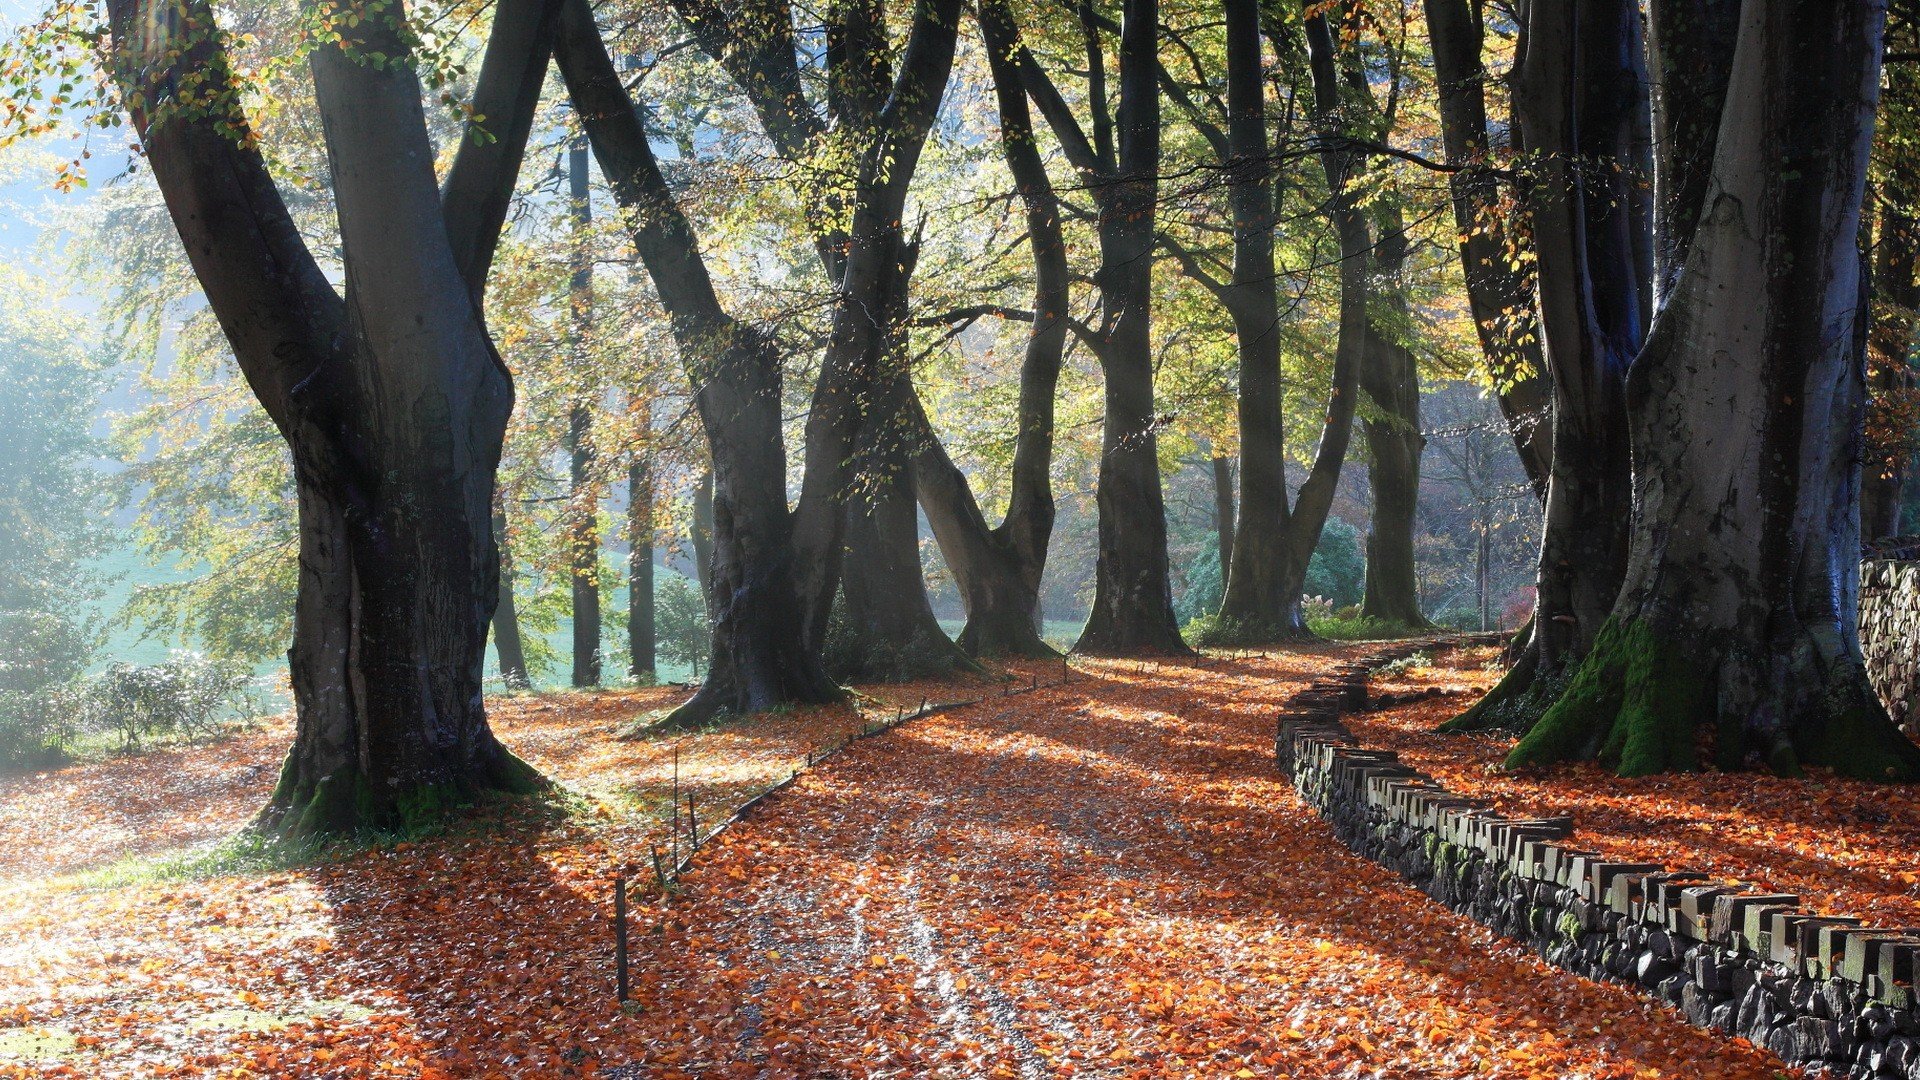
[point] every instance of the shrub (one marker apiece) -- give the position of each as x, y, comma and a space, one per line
41, 656
186, 696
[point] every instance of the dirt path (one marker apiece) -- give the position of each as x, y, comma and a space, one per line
1106, 878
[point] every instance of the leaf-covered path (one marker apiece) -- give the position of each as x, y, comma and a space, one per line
1105, 878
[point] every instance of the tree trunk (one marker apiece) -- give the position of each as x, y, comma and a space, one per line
761, 656
583, 510
1497, 294
1274, 613
1579, 91
506, 616
640, 622
702, 536
392, 401
1890, 374
1223, 510
998, 570
1133, 585
1740, 600
1391, 378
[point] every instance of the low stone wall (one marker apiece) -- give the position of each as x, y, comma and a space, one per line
1826, 992
1890, 633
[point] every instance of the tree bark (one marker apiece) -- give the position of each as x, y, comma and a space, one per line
392, 401
1497, 294
641, 634
1391, 378
998, 569
761, 656
885, 629
506, 616
1890, 374
583, 505
1741, 591
1223, 513
1579, 93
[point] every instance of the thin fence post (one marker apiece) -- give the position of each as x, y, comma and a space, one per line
693, 828
620, 935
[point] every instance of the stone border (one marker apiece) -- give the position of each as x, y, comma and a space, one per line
1825, 992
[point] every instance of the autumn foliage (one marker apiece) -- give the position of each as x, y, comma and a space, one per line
1102, 878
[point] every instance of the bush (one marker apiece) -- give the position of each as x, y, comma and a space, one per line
187, 696
682, 633
1338, 569
1347, 624
41, 656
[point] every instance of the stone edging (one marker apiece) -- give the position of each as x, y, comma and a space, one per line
1828, 993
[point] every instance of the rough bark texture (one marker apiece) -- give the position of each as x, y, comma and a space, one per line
1740, 600
760, 657
1497, 294
1580, 92
392, 401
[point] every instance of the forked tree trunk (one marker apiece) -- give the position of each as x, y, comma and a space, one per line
1739, 606
392, 401
998, 569
1580, 94
760, 655
1133, 586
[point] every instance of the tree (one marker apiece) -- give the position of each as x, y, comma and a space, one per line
760, 656
583, 504
1119, 165
1582, 99
1498, 293
998, 569
1739, 601
390, 397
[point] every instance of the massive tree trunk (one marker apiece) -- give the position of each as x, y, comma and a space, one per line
583, 504
507, 645
1580, 93
392, 401
998, 569
1497, 293
1739, 604
1890, 374
1391, 377
760, 655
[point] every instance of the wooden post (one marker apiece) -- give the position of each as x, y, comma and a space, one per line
620, 934
693, 828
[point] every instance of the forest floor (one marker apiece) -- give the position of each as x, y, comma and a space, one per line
1101, 878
